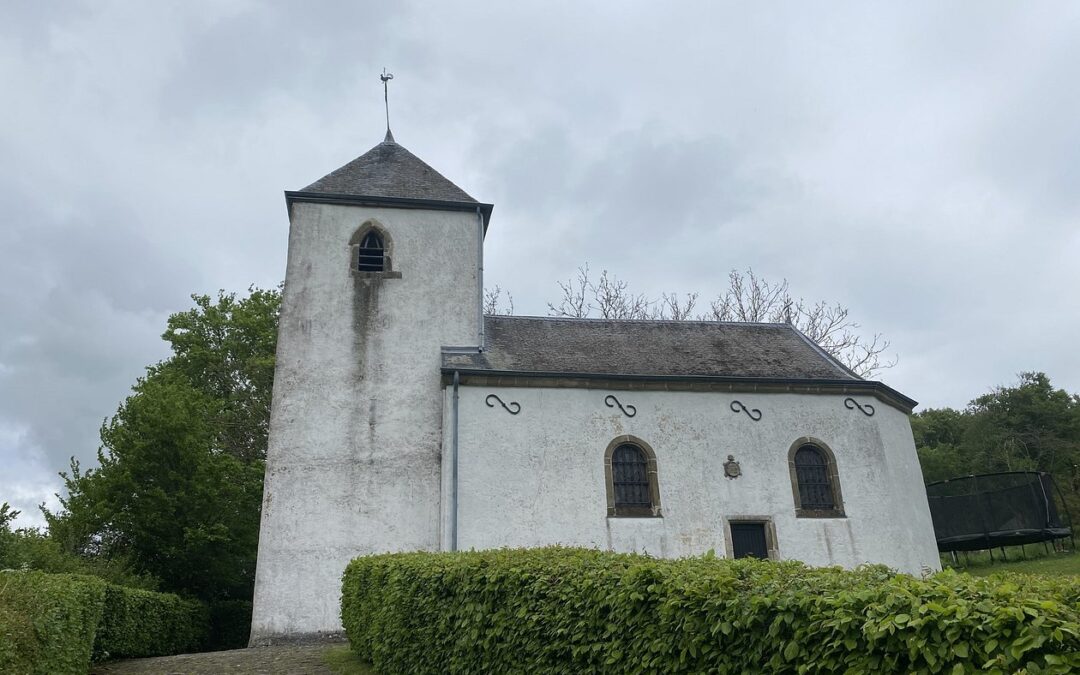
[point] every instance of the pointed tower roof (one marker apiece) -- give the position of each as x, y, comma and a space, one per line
389, 170
390, 176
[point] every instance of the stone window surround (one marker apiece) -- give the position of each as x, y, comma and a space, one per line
609, 481
388, 247
834, 480
770, 534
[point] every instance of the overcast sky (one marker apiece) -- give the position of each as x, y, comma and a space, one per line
916, 162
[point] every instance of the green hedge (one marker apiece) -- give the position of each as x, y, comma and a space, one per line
142, 623
572, 611
48, 621
58, 623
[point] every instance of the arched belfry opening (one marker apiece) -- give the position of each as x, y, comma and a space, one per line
371, 255
370, 249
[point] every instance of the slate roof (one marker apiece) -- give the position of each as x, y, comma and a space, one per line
521, 344
389, 170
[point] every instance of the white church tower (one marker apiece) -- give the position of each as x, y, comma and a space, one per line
384, 269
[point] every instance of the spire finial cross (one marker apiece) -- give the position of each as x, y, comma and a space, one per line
386, 77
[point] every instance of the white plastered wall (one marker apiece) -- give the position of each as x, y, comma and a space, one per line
537, 478
353, 463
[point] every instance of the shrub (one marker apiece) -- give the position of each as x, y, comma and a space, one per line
571, 610
56, 623
143, 623
31, 548
48, 621
18, 645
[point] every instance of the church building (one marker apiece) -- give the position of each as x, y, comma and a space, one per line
404, 419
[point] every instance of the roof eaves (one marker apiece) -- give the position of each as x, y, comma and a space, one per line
881, 390
389, 202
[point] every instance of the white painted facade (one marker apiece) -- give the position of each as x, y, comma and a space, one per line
362, 434
537, 477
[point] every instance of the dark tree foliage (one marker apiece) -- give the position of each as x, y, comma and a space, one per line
938, 436
1029, 426
29, 548
179, 486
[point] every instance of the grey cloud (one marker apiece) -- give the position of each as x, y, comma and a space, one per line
645, 205
645, 185
231, 66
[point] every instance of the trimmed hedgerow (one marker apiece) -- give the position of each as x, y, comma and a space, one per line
143, 623
58, 623
48, 621
571, 611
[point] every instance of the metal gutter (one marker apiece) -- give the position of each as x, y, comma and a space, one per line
454, 470
480, 276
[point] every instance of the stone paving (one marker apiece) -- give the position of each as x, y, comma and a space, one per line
255, 661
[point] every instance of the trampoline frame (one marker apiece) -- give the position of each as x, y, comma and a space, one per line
989, 540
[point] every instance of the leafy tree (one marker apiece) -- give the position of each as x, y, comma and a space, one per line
939, 434
30, 548
7, 516
1028, 426
179, 485
8, 559
226, 350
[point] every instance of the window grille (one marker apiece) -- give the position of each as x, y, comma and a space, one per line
371, 255
812, 474
630, 477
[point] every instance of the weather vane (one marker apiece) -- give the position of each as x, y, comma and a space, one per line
386, 77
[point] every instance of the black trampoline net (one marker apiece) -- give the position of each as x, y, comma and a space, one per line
976, 512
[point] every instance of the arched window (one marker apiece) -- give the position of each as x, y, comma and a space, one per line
370, 251
814, 480
812, 471
630, 477
630, 468
371, 254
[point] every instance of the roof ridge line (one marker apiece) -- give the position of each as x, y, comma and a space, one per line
595, 319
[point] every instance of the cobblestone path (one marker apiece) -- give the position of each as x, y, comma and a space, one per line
256, 661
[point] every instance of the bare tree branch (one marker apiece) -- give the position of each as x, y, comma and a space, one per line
673, 309
748, 298
574, 302
613, 301
493, 302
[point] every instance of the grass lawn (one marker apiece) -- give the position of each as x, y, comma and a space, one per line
1037, 562
344, 661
